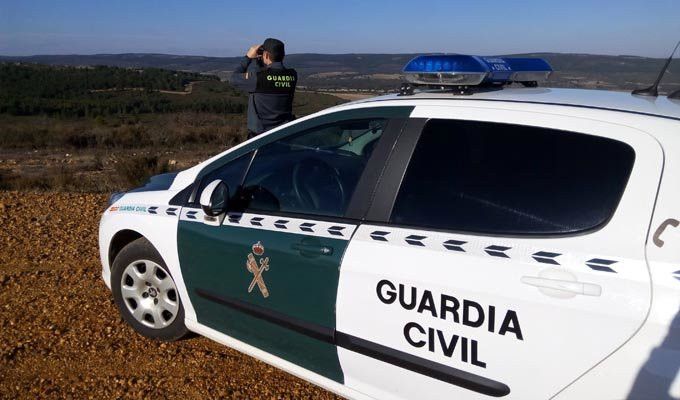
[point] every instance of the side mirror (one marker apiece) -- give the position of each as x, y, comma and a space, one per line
215, 198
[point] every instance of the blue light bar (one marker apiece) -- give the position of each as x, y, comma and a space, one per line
445, 63
465, 70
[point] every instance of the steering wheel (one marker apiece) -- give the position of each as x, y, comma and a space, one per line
317, 185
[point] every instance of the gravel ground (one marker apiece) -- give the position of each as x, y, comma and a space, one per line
61, 334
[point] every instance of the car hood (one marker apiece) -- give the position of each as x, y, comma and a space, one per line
157, 182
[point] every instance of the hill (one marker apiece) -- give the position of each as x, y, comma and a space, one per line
378, 72
63, 91
31, 89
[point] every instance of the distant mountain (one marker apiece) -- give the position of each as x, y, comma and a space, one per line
382, 71
135, 60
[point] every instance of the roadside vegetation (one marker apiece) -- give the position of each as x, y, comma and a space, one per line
100, 129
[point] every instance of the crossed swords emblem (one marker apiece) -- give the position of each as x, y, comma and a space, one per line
253, 268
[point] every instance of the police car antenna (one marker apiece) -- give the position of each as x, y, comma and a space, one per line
653, 90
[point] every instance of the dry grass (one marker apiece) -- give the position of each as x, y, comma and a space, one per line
161, 131
52, 178
117, 152
136, 170
105, 154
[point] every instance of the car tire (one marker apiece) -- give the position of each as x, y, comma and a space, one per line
145, 292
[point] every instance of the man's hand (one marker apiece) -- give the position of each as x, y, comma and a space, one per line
252, 51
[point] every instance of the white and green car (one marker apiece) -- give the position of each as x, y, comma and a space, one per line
519, 243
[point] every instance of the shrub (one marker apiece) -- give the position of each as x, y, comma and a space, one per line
137, 169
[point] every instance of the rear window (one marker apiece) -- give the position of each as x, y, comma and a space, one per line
509, 179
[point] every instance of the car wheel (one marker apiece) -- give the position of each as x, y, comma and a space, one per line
145, 292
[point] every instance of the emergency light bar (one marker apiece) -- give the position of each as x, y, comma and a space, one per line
465, 70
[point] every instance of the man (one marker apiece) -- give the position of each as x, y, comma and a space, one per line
270, 86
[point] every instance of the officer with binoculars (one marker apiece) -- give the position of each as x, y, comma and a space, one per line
270, 86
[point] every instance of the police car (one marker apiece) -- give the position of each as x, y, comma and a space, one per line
461, 239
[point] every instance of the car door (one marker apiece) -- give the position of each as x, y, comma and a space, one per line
504, 256
268, 274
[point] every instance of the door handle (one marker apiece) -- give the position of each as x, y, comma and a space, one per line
314, 249
586, 289
657, 235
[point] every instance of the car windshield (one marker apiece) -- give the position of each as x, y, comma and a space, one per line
342, 136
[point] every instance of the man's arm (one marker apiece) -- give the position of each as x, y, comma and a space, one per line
243, 65
245, 75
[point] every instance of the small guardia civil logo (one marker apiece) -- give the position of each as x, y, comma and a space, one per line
256, 265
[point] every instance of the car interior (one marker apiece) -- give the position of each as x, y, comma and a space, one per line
314, 172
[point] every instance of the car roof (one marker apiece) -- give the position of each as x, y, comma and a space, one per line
660, 106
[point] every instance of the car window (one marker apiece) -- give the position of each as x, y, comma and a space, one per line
232, 173
511, 179
313, 172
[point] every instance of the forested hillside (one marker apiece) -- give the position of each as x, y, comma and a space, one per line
33, 89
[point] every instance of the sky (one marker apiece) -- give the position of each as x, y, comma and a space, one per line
227, 28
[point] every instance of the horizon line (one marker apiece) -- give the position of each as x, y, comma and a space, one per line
320, 54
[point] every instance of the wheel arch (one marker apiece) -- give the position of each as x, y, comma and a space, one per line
121, 239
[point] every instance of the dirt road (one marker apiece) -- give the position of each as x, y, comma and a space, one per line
62, 337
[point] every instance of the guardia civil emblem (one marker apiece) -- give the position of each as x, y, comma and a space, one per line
257, 267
